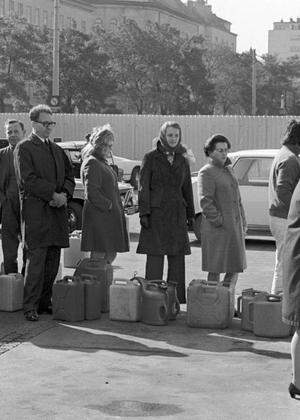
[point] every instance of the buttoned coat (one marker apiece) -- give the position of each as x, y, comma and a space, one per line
166, 196
291, 263
103, 223
223, 222
41, 170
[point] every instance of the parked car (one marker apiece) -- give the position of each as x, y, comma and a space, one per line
75, 206
252, 169
130, 168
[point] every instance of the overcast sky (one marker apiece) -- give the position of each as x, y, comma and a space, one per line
251, 19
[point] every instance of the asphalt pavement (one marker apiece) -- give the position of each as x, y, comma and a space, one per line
118, 370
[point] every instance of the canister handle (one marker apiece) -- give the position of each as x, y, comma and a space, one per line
67, 279
239, 306
90, 277
251, 307
274, 298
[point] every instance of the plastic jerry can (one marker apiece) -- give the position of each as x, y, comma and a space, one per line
248, 296
92, 297
125, 300
267, 317
173, 302
68, 299
73, 254
208, 305
155, 302
11, 292
103, 272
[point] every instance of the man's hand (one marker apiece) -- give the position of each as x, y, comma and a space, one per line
145, 221
190, 223
58, 200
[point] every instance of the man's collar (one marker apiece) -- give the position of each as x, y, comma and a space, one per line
43, 140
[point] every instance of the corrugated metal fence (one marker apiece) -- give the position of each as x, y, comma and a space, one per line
134, 133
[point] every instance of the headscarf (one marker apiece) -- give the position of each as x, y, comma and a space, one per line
97, 138
163, 139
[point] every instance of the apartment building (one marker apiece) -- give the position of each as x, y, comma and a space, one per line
194, 18
284, 39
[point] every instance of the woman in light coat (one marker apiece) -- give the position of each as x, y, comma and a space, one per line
223, 224
103, 226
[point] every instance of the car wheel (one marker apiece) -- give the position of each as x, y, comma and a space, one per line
135, 177
74, 216
197, 227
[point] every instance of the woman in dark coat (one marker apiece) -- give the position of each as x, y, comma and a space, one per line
223, 224
291, 285
104, 230
165, 206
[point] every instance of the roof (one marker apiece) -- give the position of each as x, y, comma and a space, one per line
175, 7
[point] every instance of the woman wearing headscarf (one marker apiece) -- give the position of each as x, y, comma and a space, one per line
166, 207
103, 226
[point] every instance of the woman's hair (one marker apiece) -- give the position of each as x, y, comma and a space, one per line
211, 142
292, 134
163, 129
98, 139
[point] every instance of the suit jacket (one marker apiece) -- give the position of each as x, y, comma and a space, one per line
41, 170
8, 185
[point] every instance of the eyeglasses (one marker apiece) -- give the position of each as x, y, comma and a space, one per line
47, 124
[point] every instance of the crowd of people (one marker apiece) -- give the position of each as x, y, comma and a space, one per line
36, 183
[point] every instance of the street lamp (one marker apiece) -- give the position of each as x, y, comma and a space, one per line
253, 84
55, 74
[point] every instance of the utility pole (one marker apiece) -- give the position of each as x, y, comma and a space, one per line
55, 71
253, 84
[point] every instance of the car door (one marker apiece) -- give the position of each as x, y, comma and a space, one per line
253, 177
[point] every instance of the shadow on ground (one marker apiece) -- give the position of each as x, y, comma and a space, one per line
174, 340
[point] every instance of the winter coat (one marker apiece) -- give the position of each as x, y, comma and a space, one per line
223, 222
103, 223
41, 170
291, 263
166, 196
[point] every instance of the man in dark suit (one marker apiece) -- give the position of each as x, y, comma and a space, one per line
9, 197
46, 182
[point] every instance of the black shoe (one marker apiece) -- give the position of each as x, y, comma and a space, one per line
293, 390
47, 310
31, 315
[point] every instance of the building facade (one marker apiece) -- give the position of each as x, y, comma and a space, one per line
194, 18
284, 39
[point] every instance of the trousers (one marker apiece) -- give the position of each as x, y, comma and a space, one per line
176, 271
10, 234
41, 269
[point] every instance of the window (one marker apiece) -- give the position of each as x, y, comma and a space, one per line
37, 17
20, 9
253, 171
11, 9
69, 22
83, 26
74, 24
2, 8
28, 14
45, 18
113, 25
61, 21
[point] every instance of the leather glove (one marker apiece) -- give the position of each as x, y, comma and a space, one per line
145, 221
190, 223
